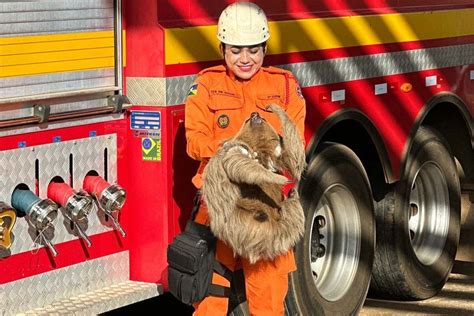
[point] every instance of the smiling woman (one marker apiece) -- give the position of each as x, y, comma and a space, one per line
222, 98
244, 61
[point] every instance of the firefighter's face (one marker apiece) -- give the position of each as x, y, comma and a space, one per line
244, 61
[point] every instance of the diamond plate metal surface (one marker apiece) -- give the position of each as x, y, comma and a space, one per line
88, 154
73, 281
177, 88
146, 91
101, 300
18, 166
378, 65
352, 68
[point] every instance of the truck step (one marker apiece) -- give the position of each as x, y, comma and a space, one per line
101, 300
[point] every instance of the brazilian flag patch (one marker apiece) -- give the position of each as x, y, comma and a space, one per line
151, 149
193, 90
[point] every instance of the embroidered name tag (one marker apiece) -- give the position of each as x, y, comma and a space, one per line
269, 97
222, 92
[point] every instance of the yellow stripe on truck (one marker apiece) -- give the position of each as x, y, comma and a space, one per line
42, 54
199, 43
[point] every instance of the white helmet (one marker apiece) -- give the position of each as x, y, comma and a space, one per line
243, 24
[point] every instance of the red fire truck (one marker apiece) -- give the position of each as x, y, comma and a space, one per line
95, 181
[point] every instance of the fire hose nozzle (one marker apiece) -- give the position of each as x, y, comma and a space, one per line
111, 197
77, 206
44, 213
41, 213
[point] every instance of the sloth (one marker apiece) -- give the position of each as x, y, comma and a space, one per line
243, 185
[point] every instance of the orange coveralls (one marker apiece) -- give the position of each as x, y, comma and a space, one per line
216, 107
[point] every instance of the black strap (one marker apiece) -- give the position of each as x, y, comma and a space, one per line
196, 204
222, 270
219, 290
214, 289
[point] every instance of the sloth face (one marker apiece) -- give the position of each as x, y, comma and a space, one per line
262, 139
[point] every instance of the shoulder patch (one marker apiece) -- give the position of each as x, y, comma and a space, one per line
193, 90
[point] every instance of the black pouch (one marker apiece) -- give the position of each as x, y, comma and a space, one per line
191, 263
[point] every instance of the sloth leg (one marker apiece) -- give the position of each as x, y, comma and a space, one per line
291, 208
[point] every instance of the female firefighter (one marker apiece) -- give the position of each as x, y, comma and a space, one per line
218, 103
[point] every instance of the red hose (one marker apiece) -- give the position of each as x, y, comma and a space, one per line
95, 185
60, 192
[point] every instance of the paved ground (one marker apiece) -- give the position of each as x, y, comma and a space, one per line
456, 298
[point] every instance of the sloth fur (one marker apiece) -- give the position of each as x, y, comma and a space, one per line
243, 184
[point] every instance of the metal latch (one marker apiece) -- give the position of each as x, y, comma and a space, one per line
117, 101
41, 112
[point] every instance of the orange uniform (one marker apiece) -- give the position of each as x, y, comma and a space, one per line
218, 104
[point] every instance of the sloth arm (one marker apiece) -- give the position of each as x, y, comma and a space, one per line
242, 169
293, 155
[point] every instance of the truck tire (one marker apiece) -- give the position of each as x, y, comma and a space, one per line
337, 199
418, 223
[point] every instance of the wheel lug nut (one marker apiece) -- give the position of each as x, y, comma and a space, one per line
321, 221
320, 251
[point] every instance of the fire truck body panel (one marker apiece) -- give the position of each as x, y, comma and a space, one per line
380, 57
371, 73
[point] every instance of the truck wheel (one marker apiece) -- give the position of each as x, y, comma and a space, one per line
418, 223
334, 258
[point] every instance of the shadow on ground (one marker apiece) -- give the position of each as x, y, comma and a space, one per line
160, 305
